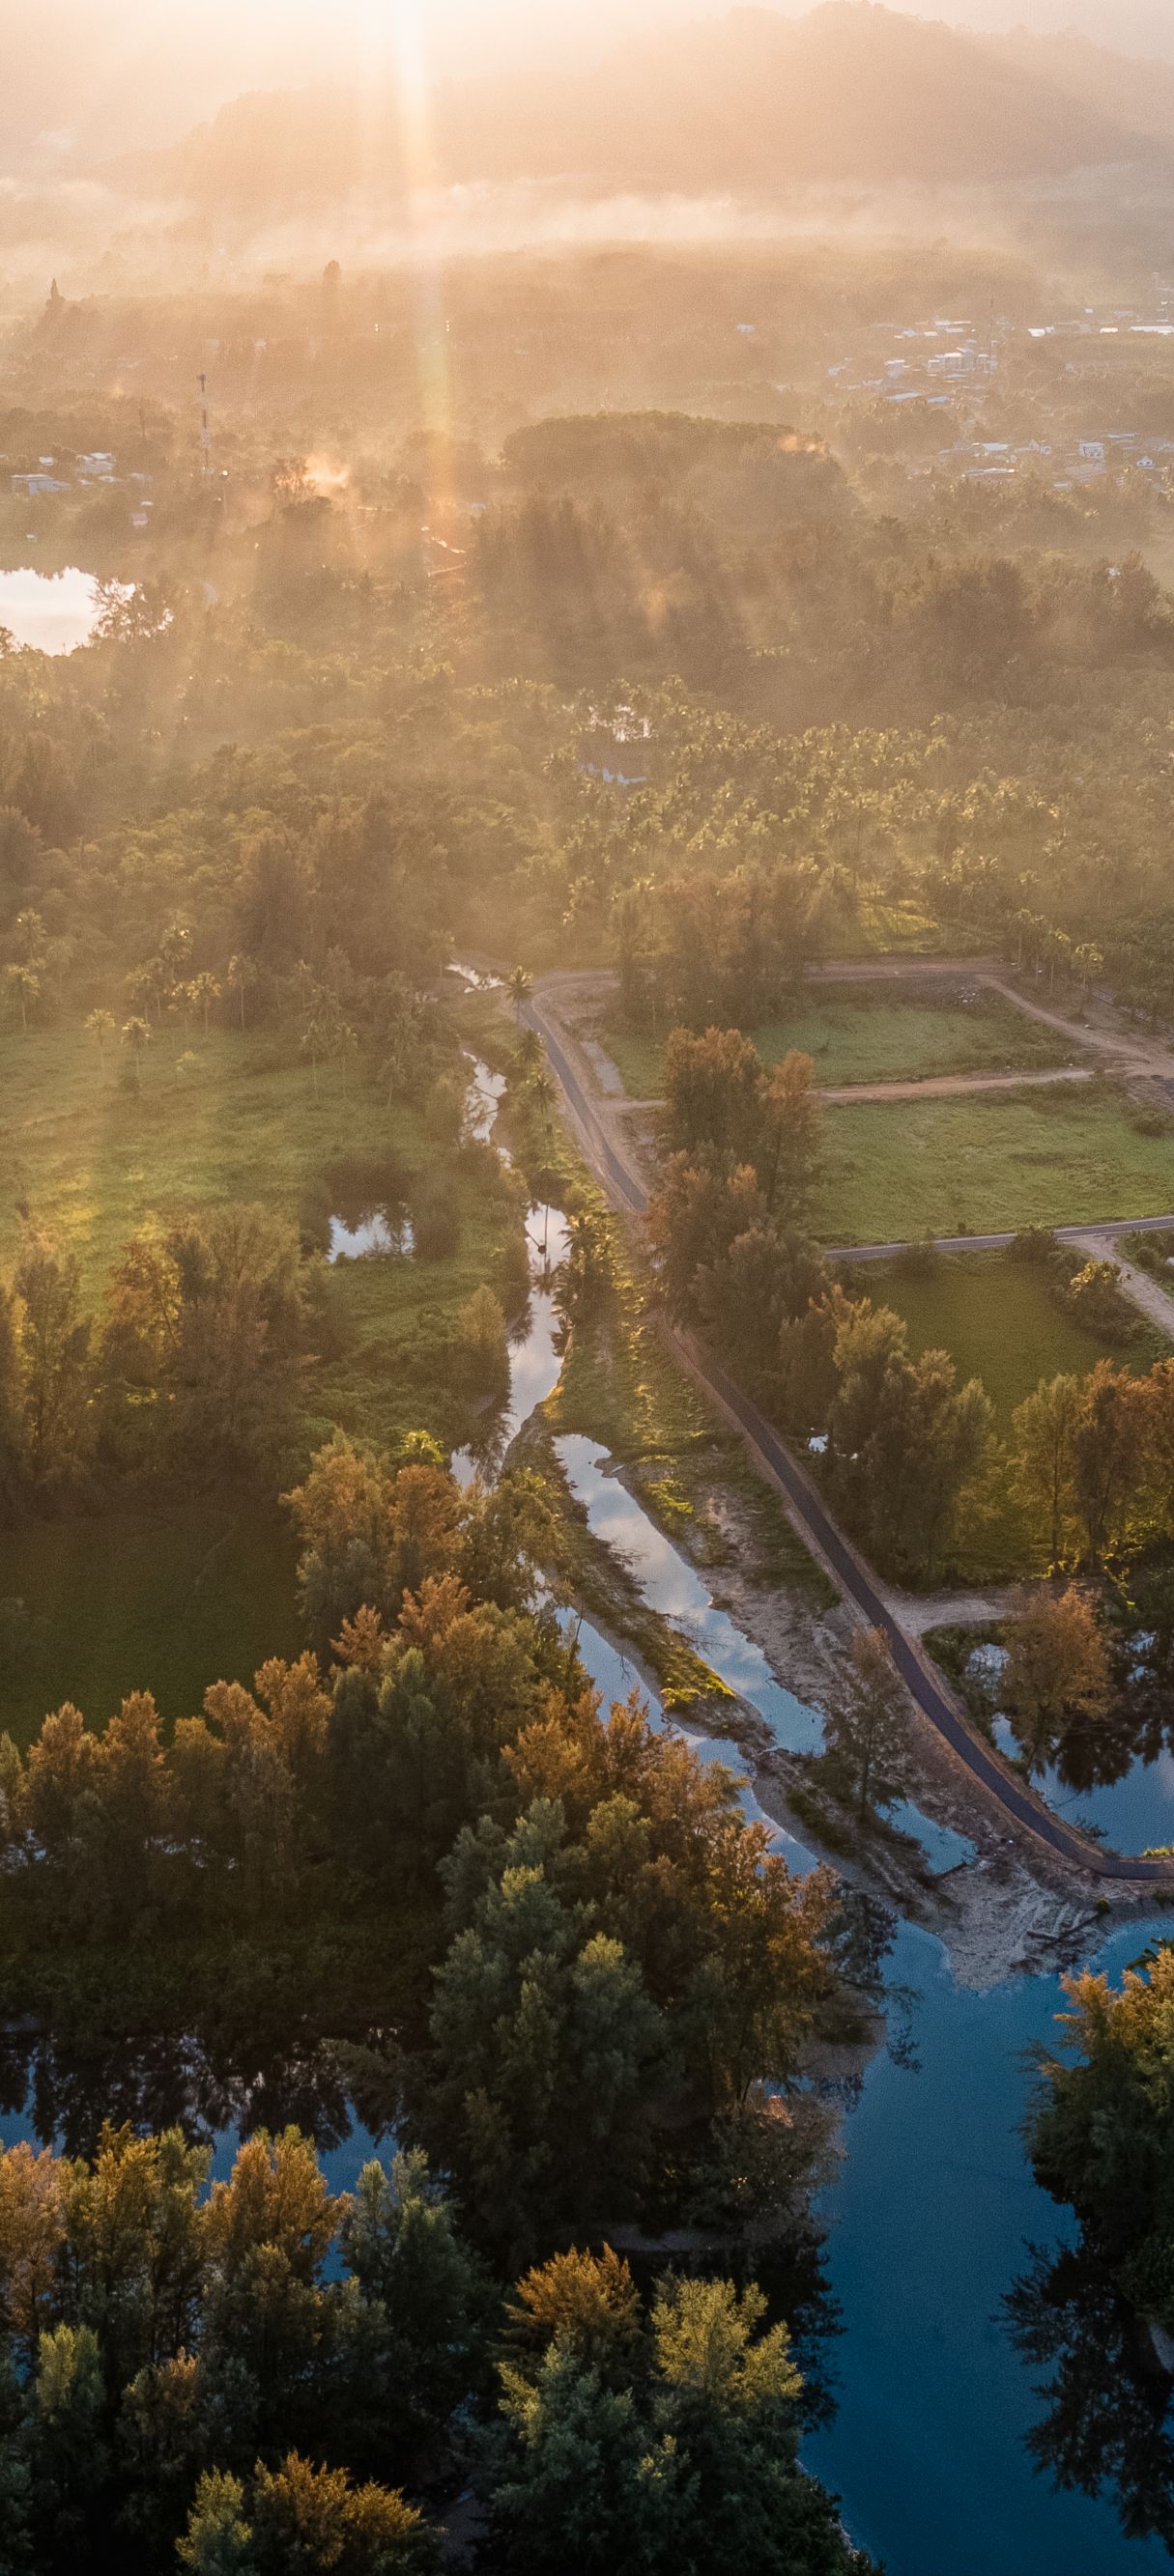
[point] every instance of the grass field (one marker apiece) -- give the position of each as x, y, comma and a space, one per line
1000, 1323
170, 1601
989, 1164
92, 1160
853, 1034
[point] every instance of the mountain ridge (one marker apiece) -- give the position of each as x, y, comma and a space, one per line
855, 92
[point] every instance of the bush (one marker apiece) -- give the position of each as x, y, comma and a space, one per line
1095, 1299
482, 1351
1035, 1243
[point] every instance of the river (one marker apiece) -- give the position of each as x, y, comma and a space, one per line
935, 2212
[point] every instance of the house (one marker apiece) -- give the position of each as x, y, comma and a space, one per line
37, 486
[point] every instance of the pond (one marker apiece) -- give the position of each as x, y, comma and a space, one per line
52, 612
1133, 1812
380, 1232
1114, 1777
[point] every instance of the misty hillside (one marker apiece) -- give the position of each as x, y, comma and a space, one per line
854, 92
1138, 96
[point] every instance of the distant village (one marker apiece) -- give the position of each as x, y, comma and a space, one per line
53, 475
950, 367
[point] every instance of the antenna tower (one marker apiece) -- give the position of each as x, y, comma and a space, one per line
205, 432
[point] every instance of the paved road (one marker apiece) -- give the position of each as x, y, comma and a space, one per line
810, 1511
1080, 1235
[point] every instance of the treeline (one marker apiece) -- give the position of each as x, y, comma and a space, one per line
907, 1453
728, 1225
619, 1963
336, 817
192, 1369
1102, 2129
244, 2376
199, 1363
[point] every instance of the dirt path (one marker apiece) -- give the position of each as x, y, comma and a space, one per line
1143, 1291
948, 1086
1128, 1052
921, 1611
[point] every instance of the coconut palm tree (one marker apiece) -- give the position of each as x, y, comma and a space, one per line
102, 1027
240, 975
136, 1036
204, 991
519, 985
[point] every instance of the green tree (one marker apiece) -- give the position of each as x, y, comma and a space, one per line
309, 2521
427, 2299
548, 2046
1043, 1455
136, 1038
665, 2442
102, 1027
1057, 1667
343, 1513
218, 2540
54, 1344
788, 1156
905, 1439
241, 977
713, 1093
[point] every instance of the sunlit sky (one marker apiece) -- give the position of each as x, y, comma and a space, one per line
133, 72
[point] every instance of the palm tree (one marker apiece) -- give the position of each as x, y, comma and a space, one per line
346, 1047
204, 991
519, 985
102, 1027
240, 975
25, 980
320, 1028
136, 1034
543, 1092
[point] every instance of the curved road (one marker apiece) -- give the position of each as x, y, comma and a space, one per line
850, 1570
1081, 1235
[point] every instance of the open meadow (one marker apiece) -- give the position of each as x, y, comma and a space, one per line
990, 1163
1000, 1321
89, 1160
165, 1600
854, 1033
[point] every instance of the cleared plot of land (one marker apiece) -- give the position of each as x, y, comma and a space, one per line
93, 1609
855, 1034
91, 1161
989, 1163
1000, 1321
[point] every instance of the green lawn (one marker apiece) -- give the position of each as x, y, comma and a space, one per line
988, 1165
171, 1601
92, 1160
854, 1034
1000, 1323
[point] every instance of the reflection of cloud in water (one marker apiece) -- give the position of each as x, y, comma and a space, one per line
671, 1586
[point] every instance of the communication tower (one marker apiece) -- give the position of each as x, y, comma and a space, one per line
205, 432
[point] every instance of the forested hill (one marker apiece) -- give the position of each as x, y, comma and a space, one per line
746, 100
